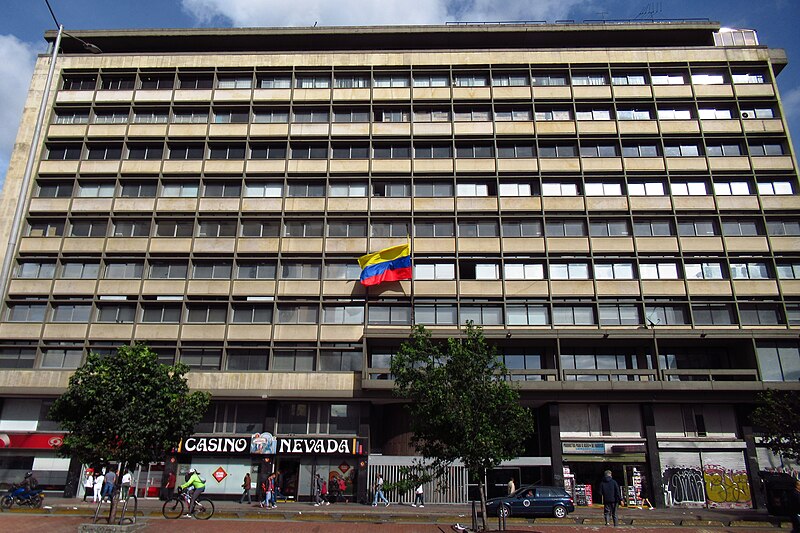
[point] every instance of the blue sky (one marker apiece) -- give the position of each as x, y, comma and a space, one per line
24, 22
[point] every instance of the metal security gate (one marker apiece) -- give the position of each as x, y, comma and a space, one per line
453, 491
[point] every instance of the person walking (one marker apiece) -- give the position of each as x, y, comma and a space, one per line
246, 489
169, 487
269, 491
317, 490
612, 495
511, 486
379, 492
419, 496
794, 506
276, 487
98, 487
88, 484
333, 489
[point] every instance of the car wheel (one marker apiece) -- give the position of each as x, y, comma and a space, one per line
559, 511
504, 511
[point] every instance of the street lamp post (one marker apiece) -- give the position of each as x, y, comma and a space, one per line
26, 178
24, 188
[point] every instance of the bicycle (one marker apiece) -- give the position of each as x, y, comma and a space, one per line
174, 507
126, 502
123, 508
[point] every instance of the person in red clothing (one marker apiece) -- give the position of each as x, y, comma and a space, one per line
169, 487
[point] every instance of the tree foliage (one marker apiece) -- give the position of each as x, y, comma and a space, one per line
127, 408
778, 416
461, 404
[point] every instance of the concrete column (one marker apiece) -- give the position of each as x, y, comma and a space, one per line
73, 484
757, 492
653, 459
555, 445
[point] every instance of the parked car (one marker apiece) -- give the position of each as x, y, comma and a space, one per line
533, 500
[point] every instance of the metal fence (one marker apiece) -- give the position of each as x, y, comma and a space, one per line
452, 490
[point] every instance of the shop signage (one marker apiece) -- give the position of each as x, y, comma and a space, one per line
315, 446
235, 445
220, 474
31, 441
601, 448
583, 447
267, 444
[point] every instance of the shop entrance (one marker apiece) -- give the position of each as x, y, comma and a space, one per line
148, 480
290, 472
497, 481
629, 474
298, 474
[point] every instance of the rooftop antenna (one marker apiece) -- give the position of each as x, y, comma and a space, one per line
603, 14
648, 11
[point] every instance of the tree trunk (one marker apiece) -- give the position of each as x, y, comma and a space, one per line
482, 490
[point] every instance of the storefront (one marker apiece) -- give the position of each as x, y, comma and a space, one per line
224, 461
36, 452
714, 478
585, 462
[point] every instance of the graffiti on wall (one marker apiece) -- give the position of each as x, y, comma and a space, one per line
684, 485
726, 487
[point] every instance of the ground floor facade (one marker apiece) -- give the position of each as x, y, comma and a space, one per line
680, 454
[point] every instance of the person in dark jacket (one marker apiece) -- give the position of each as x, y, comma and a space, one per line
794, 507
612, 495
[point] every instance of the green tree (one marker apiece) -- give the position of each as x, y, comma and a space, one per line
461, 403
778, 416
127, 408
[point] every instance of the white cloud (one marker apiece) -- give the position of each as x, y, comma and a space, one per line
791, 103
251, 13
16, 66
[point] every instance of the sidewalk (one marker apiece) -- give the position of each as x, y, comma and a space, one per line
440, 514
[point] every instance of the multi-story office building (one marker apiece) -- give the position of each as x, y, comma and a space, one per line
617, 205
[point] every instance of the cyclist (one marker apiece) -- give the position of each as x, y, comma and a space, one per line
198, 485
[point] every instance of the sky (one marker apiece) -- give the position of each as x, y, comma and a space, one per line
24, 22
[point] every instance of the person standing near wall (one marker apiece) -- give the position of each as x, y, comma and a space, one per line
794, 506
511, 486
246, 489
612, 495
88, 483
169, 487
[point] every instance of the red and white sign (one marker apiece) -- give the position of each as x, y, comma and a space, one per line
220, 474
31, 441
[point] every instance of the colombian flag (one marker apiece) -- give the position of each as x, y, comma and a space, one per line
390, 264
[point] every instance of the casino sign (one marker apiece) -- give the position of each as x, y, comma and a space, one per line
267, 444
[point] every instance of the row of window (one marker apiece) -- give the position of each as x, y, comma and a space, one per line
422, 227
422, 187
523, 313
424, 269
316, 115
422, 150
111, 81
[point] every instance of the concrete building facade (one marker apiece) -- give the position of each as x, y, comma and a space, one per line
616, 204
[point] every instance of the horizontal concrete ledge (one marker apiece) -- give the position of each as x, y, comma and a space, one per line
559, 521
106, 528
701, 523
654, 522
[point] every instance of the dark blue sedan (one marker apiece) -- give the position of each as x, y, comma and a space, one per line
533, 500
